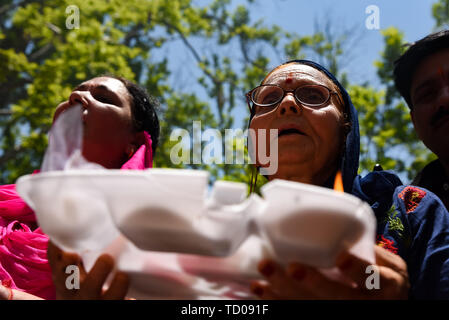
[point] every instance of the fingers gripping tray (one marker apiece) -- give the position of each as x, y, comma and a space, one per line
178, 239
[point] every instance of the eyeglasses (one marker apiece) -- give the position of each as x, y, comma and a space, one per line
269, 95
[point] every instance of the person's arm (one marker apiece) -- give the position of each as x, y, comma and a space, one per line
426, 245
91, 284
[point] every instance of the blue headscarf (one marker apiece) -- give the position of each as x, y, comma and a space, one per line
411, 221
377, 187
350, 160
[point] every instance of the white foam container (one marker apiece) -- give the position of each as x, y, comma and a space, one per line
176, 239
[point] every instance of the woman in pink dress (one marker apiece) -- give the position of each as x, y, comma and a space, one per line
121, 130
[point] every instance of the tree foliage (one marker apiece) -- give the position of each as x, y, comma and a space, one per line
440, 12
41, 60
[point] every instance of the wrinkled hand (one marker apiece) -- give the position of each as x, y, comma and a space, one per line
298, 281
91, 284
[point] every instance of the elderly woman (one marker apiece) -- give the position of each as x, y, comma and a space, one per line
121, 130
318, 136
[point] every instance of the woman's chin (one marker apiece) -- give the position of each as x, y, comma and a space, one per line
95, 157
292, 154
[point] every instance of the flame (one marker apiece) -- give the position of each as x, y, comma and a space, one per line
338, 182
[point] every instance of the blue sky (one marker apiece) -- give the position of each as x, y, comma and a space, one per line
413, 17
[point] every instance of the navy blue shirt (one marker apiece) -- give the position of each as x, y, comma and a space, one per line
411, 221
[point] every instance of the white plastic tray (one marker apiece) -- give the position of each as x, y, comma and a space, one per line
178, 240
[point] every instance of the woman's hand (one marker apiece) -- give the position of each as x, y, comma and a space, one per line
7, 293
298, 281
91, 284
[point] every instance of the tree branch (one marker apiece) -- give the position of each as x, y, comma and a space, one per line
11, 6
42, 51
192, 50
9, 154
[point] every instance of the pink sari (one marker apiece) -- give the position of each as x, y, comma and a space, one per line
23, 246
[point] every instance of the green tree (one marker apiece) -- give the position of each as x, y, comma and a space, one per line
41, 60
440, 12
45, 59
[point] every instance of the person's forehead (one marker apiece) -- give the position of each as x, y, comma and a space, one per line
297, 72
430, 68
111, 84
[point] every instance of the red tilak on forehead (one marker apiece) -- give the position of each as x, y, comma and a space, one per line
289, 78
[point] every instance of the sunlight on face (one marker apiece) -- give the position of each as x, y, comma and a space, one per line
310, 138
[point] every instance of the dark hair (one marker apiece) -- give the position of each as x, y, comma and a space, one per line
405, 66
143, 109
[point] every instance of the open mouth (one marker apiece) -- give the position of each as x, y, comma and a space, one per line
290, 131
